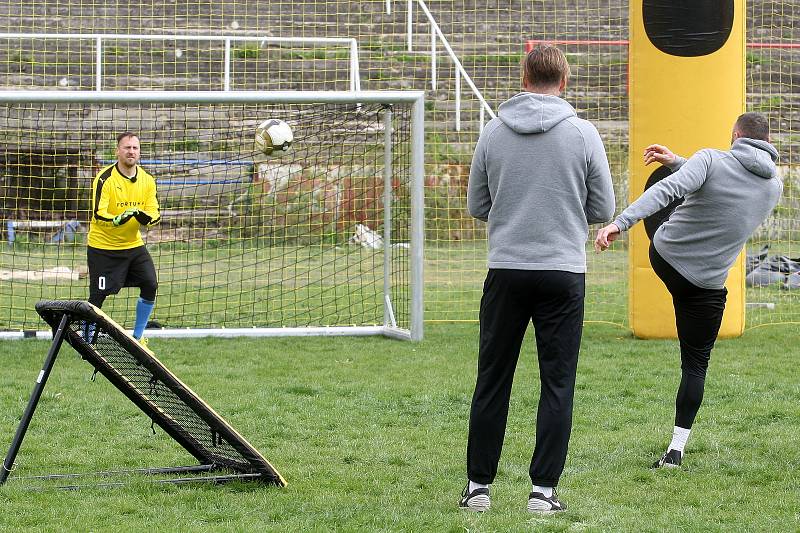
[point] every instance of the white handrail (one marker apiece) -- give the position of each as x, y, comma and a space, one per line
409, 21
98, 71
355, 81
433, 59
435, 29
227, 75
355, 77
355, 72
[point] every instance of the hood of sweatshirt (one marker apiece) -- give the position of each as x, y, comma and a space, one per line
534, 113
758, 157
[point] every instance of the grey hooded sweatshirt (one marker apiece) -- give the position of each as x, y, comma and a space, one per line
728, 195
539, 177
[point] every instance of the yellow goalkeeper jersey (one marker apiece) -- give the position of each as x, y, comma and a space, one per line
112, 194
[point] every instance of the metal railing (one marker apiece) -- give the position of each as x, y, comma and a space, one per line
460, 72
100, 38
354, 72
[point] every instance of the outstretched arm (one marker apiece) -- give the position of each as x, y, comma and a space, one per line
688, 179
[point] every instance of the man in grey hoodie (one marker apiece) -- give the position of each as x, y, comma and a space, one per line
728, 194
539, 177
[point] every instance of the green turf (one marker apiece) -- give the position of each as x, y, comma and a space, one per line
231, 286
244, 285
370, 434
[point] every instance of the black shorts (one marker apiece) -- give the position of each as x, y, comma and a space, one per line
110, 270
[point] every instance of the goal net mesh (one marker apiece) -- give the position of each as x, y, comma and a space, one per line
396, 50
245, 240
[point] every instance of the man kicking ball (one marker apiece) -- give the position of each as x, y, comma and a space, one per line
728, 194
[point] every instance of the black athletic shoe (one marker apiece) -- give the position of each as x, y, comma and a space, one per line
477, 500
539, 503
671, 459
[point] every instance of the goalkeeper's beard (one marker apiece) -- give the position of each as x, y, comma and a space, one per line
128, 166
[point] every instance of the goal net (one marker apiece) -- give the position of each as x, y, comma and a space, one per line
773, 74
398, 47
324, 239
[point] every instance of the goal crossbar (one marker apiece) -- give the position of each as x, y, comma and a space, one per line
213, 97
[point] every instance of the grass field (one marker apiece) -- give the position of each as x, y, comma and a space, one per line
243, 285
370, 434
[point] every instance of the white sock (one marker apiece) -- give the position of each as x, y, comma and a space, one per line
473, 486
679, 437
546, 491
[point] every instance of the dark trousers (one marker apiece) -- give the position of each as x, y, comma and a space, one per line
111, 270
553, 300
698, 316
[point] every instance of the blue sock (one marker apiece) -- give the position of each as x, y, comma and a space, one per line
88, 332
143, 310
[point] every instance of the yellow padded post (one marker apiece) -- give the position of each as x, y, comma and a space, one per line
687, 86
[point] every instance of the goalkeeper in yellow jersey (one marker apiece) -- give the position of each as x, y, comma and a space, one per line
123, 200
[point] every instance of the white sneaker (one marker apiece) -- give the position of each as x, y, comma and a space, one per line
539, 503
477, 500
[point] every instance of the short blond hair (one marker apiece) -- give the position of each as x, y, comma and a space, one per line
545, 66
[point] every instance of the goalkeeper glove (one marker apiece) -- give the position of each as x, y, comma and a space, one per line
143, 218
124, 216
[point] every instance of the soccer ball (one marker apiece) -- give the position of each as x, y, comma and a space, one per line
274, 137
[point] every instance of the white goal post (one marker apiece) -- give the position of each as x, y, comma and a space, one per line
325, 240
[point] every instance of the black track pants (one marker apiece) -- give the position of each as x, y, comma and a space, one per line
553, 300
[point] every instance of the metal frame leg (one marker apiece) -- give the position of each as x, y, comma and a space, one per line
38, 387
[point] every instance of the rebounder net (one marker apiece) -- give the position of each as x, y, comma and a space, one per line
166, 400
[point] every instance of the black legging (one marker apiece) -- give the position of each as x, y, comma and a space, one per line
698, 315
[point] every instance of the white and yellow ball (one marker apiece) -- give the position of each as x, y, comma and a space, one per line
274, 137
